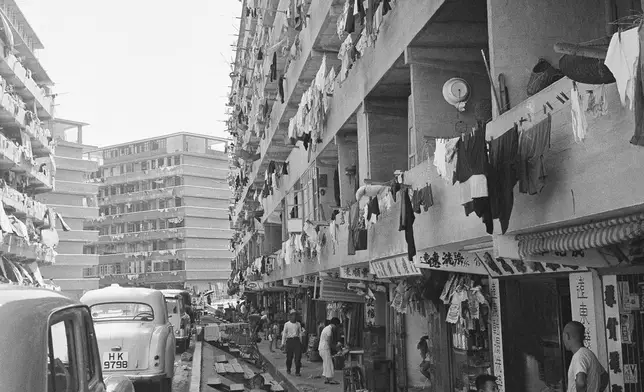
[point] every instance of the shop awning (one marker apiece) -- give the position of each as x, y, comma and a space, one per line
587, 236
335, 290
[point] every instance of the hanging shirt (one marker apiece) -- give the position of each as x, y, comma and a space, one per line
622, 58
407, 223
579, 123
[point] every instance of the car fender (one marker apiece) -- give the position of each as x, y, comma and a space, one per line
158, 343
116, 383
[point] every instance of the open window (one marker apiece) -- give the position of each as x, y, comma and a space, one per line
63, 352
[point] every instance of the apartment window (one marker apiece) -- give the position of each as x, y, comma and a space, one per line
153, 225
177, 159
113, 229
169, 161
131, 248
129, 168
89, 250
162, 224
120, 228
153, 164
112, 190
163, 204
130, 227
117, 268
137, 226
145, 185
122, 209
144, 165
161, 162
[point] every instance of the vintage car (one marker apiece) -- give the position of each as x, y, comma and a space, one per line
32, 361
135, 337
179, 318
187, 302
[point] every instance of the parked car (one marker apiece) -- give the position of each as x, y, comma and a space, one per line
135, 336
179, 318
32, 361
187, 301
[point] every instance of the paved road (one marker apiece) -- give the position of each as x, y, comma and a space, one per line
182, 371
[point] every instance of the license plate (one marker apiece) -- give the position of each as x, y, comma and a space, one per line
115, 360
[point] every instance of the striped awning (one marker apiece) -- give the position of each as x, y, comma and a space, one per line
586, 236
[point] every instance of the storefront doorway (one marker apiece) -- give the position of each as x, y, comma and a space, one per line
534, 312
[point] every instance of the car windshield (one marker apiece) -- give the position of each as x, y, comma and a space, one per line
122, 311
173, 305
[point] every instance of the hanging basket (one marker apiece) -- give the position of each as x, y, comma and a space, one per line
585, 69
543, 75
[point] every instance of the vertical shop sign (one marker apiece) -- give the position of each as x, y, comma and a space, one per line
497, 333
612, 320
582, 299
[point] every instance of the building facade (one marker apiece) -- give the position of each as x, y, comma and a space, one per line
163, 220
406, 156
75, 199
27, 169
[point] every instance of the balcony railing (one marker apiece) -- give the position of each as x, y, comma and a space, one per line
22, 204
16, 74
19, 160
21, 249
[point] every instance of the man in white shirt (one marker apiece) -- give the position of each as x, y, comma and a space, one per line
291, 336
324, 348
585, 373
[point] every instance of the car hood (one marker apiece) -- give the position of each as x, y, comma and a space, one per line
130, 337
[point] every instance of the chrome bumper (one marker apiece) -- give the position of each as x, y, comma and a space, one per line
143, 378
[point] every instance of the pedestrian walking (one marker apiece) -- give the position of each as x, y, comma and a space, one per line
326, 343
273, 332
585, 373
291, 337
305, 339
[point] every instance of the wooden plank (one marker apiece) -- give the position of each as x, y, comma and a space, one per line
213, 381
236, 387
532, 111
220, 358
220, 368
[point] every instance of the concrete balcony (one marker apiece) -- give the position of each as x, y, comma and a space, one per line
165, 234
164, 213
143, 278
14, 72
168, 171
84, 236
22, 205
18, 248
168, 254
76, 211
76, 188
76, 259
165, 193
12, 115
207, 275
12, 157
76, 164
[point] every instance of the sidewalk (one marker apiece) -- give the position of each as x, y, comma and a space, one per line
306, 382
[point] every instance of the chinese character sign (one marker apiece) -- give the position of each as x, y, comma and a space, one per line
583, 306
497, 334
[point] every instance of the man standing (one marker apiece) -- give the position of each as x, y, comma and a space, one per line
426, 363
324, 348
291, 336
585, 373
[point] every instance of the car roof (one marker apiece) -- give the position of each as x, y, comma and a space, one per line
175, 291
125, 294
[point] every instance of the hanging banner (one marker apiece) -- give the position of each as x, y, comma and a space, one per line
465, 263
393, 268
497, 334
357, 272
614, 335
582, 294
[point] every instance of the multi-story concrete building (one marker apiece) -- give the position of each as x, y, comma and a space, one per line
364, 103
27, 166
75, 199
163, 213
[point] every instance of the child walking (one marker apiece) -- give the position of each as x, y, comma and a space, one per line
273, 336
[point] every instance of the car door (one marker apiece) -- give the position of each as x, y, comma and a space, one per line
92, 359
67, 363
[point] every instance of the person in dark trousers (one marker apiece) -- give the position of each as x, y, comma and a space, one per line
291, 337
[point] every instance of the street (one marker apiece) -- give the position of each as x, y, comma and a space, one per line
182, 372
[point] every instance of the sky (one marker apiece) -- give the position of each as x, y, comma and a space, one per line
136, 69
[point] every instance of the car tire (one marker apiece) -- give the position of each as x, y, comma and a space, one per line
165, 385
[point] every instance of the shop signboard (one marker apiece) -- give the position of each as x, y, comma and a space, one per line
257, 285
394, 268
497, 334
615, 368
582, 300
357, 272
459, 262
500, 266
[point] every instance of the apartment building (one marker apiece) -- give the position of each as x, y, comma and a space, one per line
163, 219
346, 116
75, 198
27, 163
